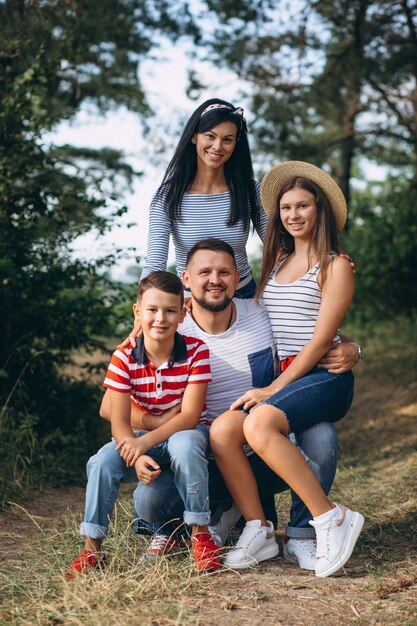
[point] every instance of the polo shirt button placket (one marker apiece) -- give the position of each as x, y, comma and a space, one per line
158, 384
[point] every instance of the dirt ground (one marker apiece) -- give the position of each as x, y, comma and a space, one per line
277, 593
377, 474
35, 517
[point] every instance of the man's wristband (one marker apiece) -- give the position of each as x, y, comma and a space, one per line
358, 348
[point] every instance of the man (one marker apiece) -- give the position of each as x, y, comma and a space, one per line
240, 341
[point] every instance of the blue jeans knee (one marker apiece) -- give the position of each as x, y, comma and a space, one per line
188, 452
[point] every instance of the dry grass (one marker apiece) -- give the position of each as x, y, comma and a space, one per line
377, 474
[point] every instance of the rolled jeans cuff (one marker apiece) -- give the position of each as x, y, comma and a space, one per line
196, 519
300, 533
94, 531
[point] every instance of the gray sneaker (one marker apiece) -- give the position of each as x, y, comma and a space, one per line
227, 521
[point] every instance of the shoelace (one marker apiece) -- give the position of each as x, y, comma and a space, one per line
205, 549
323, 542
84, 560
159, 542
243, 541
87, 555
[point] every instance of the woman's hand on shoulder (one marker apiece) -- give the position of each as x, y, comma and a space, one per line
343, 255
340, 269
130, 341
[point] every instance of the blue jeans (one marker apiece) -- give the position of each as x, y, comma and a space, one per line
160, 502
185, 453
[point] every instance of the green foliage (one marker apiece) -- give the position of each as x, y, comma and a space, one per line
47, 441
256, 264
328, 82
122, 308
332, 82
56, 56
382, 239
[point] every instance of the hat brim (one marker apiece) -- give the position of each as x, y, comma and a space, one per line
278, 175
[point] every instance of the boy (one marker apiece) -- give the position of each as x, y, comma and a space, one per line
164, 372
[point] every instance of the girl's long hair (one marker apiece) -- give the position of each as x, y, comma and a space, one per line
279, 243
238, 170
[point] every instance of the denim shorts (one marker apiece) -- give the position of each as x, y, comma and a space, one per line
319, 396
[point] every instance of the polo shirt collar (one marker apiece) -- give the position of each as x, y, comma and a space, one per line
179, 352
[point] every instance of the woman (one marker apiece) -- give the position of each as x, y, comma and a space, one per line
306, 289
208, 190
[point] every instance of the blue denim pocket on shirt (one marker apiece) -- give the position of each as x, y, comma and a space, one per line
262, 367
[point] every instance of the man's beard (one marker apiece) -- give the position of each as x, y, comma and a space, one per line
214, 308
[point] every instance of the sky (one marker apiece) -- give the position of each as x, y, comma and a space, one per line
164, 80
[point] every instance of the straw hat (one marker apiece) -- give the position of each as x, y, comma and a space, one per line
273, 181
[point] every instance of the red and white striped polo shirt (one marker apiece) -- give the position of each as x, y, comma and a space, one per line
157, 389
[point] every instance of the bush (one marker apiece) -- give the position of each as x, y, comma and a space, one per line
382, 240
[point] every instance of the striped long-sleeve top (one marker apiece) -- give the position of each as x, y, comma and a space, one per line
202, 216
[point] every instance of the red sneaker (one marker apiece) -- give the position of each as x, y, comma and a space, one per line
161, 544
84, 561
205, 552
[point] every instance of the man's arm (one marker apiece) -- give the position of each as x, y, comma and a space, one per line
341, 357
139, 419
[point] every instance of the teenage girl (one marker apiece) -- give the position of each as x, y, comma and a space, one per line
306, 289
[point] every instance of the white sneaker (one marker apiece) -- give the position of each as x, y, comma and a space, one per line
302, 552
227, 521
254, 545
336, 540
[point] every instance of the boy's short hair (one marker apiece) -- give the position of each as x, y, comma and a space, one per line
164, 281
214, 245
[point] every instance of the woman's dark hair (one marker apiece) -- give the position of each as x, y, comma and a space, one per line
279, 243
238, 170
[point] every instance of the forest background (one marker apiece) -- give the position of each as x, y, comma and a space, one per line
334, 83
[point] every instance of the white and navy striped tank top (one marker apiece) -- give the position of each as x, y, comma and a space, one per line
202, 216
293, 310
